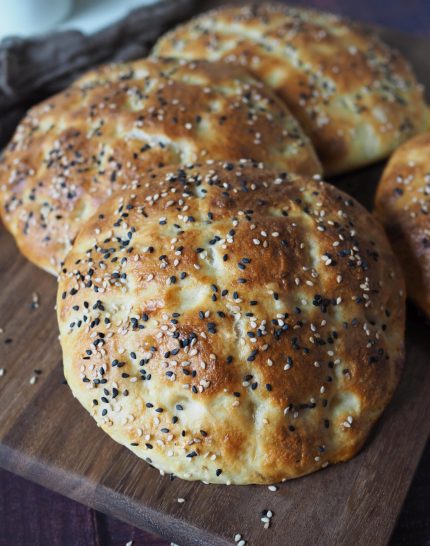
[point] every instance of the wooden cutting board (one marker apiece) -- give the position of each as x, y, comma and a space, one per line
47, 437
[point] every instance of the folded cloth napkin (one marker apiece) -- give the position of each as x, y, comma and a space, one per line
34, 68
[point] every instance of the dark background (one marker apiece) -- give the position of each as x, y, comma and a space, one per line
32, 515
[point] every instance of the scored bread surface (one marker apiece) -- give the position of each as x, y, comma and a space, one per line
356, 97
233, 324
74, 150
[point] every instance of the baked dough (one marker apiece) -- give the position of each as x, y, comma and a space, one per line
355, 97
402, 203
72, 151
233, 324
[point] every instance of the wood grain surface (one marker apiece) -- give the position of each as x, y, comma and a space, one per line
47, 437
33, 515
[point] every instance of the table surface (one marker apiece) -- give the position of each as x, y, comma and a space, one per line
30, 514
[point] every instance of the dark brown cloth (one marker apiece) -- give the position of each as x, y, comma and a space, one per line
34, 68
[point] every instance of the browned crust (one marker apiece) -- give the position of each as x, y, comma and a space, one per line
73, 150
312, 367
402, 204
356, 98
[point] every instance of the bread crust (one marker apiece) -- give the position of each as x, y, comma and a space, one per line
402, 204
74, 150
233, 324
356, 98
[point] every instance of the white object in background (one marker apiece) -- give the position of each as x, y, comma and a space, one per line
25, 17
32, 17
92, 15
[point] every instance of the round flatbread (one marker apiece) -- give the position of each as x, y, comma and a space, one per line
74, 150
402, 203
355, 97
233, 324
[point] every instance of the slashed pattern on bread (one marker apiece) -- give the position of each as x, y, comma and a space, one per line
356, 98
74, 150
233, 324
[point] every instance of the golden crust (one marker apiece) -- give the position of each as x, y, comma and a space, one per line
233, 324
355, 97
72, 151
402, 203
